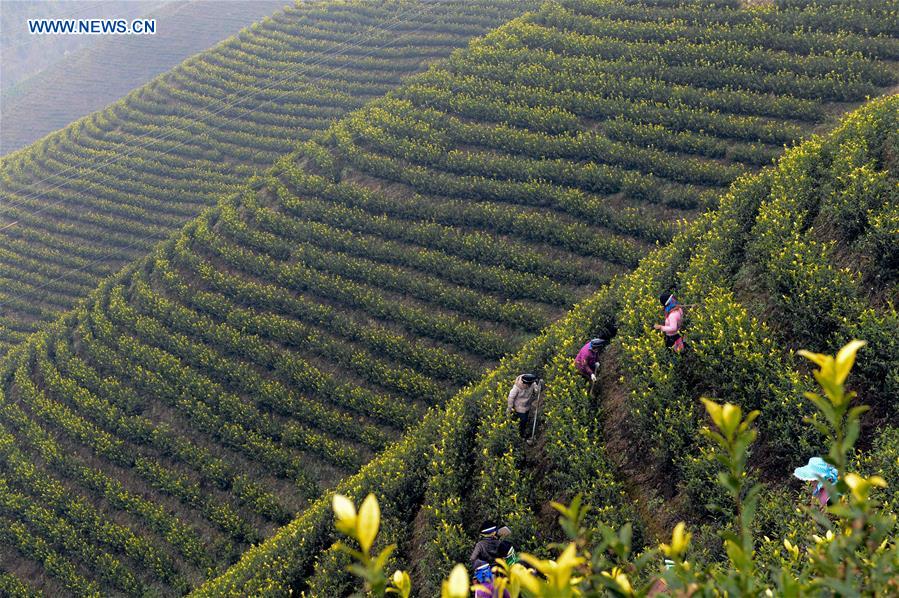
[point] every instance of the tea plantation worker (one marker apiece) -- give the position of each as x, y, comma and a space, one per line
488, 547
815, 472
483, 581
588, 358
522, 397
674, 316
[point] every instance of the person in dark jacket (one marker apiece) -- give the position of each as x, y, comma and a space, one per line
488, 548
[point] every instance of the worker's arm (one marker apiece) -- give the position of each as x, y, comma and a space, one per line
591, 366
513, 394
477, 554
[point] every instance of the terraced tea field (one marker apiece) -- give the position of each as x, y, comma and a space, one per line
632, 447
532, 136
84, 201
217, 388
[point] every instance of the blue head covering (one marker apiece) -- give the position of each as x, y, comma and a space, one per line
817, 469
482, 571
668, 302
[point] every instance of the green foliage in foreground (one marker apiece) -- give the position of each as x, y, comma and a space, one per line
854, 551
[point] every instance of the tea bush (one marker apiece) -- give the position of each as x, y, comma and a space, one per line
857, 553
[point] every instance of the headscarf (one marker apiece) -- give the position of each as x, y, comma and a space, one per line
482, 572
668, 302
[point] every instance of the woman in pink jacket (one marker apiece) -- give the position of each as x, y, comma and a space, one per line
588, 357
674, 316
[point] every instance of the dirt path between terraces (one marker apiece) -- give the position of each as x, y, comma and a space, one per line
635, 468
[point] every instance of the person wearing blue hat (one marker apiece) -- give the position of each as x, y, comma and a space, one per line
816, 472
483, 581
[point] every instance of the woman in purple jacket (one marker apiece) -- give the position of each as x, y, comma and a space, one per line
587, 358
483, 582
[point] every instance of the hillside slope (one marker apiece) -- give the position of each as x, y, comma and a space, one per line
802, 256
80, 203
91, 78
213, 390
830, 201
